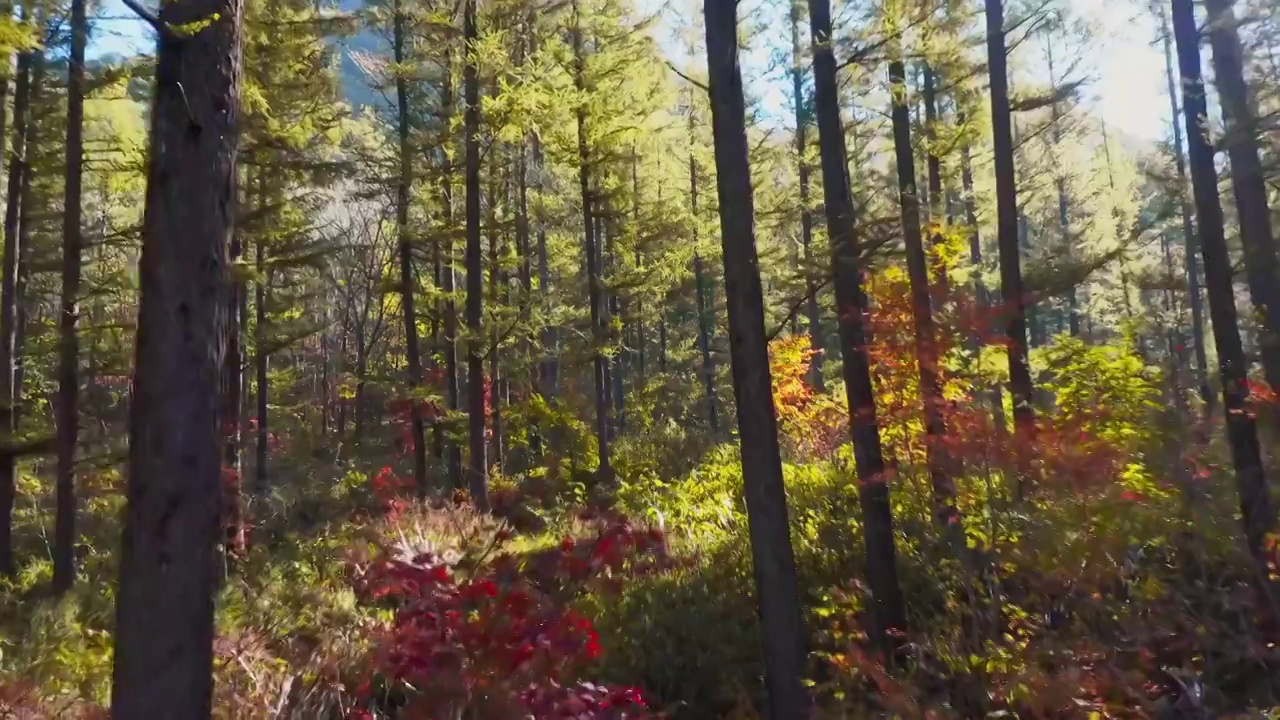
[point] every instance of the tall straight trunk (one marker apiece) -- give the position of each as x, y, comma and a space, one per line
1011, 290
638, 320
606, 312
261, 358
549, 374
9, 300
806, 214
781, 623
700, 298
590, 250
852, 309
525, 252
1248, 181
617, 365
64, 535
233, 410
163, 666
1064, 210
1242, 434
26, 229
404, 185
448, 275
478, 466
495, 281
944, 500
975, 257
1195, 299
934, 161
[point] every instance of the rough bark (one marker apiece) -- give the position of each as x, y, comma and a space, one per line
1248, 181
64, 534
1194, 296
11, 260
944, 501
164, 607
1011, 290
851, 309
781, 624
1256, 510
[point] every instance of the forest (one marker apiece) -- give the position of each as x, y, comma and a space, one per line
627, 360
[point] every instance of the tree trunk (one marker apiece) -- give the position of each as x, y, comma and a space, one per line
944, 492
495, 281
260, 361
700, 296
1196, 301
975, 257
781, 623
404, 185
930, 93
232, 410
164, 606
448, 275
1251, 482
18, 167
600, 379
64, 536
1011, 290
26, 228
550, 366
851, 309
1248, 181
478, 467
806, 214
1064, 212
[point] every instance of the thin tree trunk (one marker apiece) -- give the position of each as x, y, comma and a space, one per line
232, 410
975, 257
495, 281
600, 384
1064, 212
936, 217
1248, 181
1011, 290
9, 300
944, 492
852, 309
550, 366
26, 228
448, 275
64, 569
163, 665
478, 469
261, 360
404, 186
1196, 300
1251, 483
806, 214
700, 296
781, 623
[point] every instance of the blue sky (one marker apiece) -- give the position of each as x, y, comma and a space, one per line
1127, 69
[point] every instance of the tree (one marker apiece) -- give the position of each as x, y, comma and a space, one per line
68, 339
851, 309
1011, 290
478, 469
781, 626
164, 607
1256, 509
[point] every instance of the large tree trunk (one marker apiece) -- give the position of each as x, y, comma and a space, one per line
944, 500
851, 309
1195, 300
600, 370
478, 468
701, 301
806, 214
448, 275
64, 535
781, 624
1011, 290
12, 254
1248, 182
404, 185
1251, 482
164, 606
